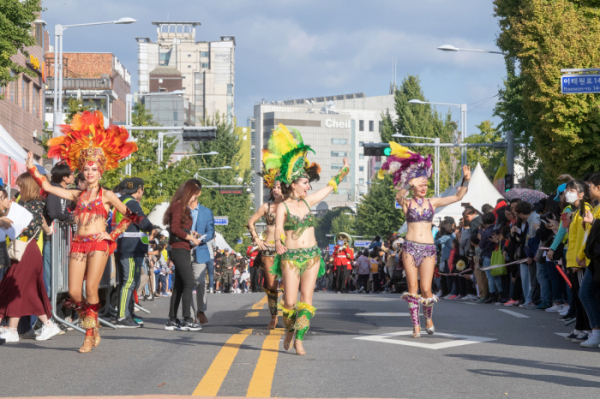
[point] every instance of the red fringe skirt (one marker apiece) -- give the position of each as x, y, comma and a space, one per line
84, 246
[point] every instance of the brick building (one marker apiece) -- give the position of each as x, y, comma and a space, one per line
99, 79
21, 110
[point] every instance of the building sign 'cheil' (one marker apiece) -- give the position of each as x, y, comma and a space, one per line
337, 124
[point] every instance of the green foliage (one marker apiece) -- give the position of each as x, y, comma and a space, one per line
75, 107
16, 19
545, 36
490, 158
376, 213
324, 225
421, 120
236, 207
342, 224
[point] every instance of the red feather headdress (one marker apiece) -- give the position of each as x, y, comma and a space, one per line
85, 140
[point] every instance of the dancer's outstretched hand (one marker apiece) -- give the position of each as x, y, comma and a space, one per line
467, 172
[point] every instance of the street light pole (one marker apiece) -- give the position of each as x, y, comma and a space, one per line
449, 47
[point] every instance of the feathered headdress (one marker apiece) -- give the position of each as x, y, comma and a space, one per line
405, 165
285, 159
85, 140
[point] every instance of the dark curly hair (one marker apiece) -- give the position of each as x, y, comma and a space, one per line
313, 175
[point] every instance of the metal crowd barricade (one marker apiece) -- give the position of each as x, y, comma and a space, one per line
61, 246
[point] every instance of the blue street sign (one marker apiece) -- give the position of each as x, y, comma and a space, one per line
221, 220
362, 243
331, 246
239, 241
580, 84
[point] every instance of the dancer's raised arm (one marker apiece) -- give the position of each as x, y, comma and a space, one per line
438, 202
320, 195
45, 185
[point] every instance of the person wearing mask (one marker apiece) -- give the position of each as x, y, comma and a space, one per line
203, 224
55, 208
132, 247
589, 292
576, 194
22, 291
178, 217
343, 256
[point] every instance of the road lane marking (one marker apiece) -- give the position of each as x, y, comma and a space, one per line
260, 304
458, 340
516, 314
262, 379
214, 377
385, 314
252, 314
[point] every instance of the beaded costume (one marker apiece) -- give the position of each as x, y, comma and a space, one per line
87, 142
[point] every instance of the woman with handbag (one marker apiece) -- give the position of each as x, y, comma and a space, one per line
178, 217
22, 291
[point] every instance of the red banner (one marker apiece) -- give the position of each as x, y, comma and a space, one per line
16, 168
4, 168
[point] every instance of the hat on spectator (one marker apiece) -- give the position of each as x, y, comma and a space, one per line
559, 191
131, 185
164, 233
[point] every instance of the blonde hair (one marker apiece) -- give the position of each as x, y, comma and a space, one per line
29, 189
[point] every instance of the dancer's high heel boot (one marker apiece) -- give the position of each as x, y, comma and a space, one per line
428, 312
289, 319
305, 314
413, 308
89, 324
272, 302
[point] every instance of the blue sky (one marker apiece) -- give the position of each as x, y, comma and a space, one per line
292, 49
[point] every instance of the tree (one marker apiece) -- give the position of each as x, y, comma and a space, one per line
342, 224
376, 214
421, 120
490, 158
324, 223
236, 207
545, 36
16, 20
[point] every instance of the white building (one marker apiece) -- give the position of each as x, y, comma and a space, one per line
207, 68
335, 127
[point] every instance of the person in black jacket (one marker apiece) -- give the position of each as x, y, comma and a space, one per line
132, 246
55, 208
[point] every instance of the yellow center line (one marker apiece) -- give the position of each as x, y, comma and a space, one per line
260, 304
262, 379
252, 314
214, 377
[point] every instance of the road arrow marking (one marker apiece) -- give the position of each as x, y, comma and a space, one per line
458, 340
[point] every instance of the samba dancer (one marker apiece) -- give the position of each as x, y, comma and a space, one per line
299, 261
93, 150
411, 171
266, 242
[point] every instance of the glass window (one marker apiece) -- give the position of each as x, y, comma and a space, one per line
229, 89
361, 181
12, 88
343, 192
361, 126
361, 143
175, 116
189, 66
371, 126
339, 141
25, 90
361, 168
189, 55
205, 65
380, 126
204, 54
339, 154
361, 156
336, 167
34, 103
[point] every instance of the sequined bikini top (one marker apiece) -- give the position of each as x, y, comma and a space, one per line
95, 209
413, 215
270, 217
296, 224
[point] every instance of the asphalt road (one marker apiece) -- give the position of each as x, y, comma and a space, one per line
359, 346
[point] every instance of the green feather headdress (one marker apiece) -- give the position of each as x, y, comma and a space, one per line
287, 155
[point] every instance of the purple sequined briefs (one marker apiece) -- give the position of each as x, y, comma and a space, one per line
419, 251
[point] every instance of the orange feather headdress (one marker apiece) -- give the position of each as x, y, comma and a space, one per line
85, 140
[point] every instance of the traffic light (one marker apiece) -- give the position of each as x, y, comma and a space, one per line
377, 149
508, 182
199, 133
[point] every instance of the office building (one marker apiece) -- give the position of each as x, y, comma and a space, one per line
100, 80
207, 68
22, 103
336, 127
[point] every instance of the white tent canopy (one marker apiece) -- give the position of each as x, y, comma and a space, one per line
9, 147
481, 192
